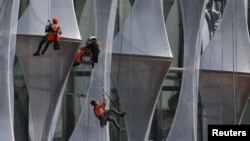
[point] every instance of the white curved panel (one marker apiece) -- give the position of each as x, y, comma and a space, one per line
34, 19
142, 35
44, 78
141, 56
45, 75
184, 126
227, 58
173, 30
124, 10
8, 28
229, 48
205, 36
86, 20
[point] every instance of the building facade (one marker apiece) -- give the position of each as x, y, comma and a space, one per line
174, 66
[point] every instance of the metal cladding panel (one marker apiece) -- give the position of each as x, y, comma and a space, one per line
8, 28
229, 48
143, 36
138, 80
86, 18
173, 30
228, 54
206, 37
184, 126
44, 77
35, 17
217, 89
124, 10
144, 31
88, 127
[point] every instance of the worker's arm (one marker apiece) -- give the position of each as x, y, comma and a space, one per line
98, 46
83, 48
47, 26
104, 98
98, 42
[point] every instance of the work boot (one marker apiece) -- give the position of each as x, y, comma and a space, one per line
123, 114
36, 54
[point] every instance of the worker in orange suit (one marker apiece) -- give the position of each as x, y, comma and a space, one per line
53, 35
92, 46
79, 54
104, 115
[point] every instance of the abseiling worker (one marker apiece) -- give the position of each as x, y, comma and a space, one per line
53, 32
92, 45
105, 115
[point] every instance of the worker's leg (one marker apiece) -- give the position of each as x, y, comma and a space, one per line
56, 45
57, 42
117, 112
37, 53
95, 57
111, 118
79, 56
102, 121
46, 47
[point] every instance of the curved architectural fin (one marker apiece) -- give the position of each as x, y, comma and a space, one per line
45, 75
141, 59
226, 67
8, 29
185, 120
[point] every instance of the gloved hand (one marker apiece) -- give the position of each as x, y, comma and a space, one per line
49, 23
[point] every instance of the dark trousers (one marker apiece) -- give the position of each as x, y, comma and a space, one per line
113, 119
107, 116
56, 45
95, 57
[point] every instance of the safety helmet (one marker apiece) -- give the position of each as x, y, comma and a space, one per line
55, 20
92, 38
93, 102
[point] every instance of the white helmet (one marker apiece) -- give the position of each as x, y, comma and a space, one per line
92, 37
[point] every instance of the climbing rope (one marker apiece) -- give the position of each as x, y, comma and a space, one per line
119, 60
88, 97
234, 62
110, 99
49, 10
121, 46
